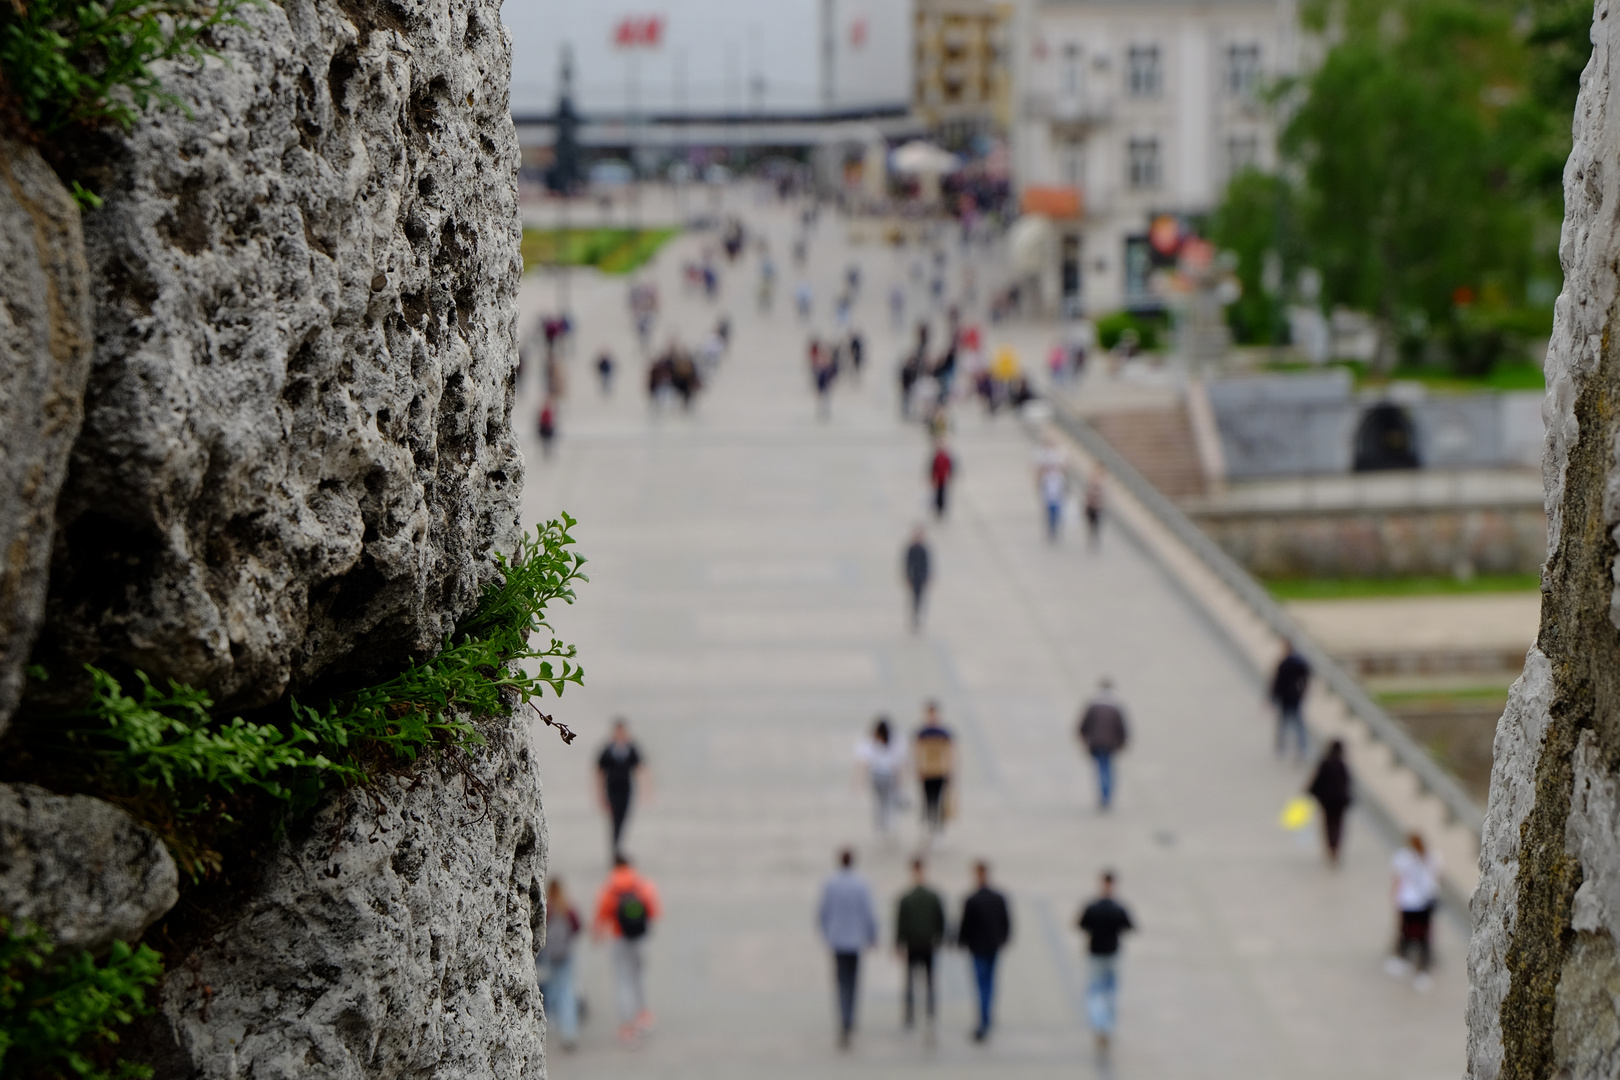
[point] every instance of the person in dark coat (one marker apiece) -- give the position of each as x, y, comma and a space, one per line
984, 931
917, 572
1288, 688
1331, 790
1104, 733
919, 929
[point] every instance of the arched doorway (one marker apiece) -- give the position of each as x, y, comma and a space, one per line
1385, 439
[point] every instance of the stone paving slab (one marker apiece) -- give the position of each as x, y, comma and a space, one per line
745, 613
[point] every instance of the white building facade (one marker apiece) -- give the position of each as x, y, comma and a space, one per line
1146, 108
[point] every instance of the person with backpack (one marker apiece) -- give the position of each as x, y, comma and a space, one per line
625, 911
919, 930
935, 754
1104, 732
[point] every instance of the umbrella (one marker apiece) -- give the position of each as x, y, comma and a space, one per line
924, 158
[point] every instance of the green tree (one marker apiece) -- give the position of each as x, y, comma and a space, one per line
1255, 222
1408, 210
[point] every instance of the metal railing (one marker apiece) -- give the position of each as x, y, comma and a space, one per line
1435, 779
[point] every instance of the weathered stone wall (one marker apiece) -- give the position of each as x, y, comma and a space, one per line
296, 464
44, 361
1382, 542
393, 939
1543, 963
296, 453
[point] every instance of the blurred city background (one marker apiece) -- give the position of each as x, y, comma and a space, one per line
1183, 338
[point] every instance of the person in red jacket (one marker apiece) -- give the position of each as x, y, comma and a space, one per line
626, 908
940, 471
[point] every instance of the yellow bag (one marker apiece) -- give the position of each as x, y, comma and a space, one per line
1297, 813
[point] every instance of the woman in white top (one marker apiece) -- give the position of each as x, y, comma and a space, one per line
883, 759
1417, 889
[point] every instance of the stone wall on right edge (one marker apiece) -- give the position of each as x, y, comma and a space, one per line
1543, 961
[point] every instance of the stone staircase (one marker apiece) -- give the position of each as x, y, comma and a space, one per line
1159, 442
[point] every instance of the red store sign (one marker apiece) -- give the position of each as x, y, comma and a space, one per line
639, 32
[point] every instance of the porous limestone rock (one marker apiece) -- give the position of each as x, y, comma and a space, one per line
44, 360
80, 869
297, 458
1543, 967
394, 939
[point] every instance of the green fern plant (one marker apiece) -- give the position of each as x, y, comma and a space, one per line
90, 62
59, 1016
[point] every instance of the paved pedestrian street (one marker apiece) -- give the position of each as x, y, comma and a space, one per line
746, 614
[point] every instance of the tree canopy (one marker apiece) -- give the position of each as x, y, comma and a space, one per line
1421, 173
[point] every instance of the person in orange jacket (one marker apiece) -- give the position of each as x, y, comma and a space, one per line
625, 911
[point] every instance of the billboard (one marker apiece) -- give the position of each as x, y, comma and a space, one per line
712, 58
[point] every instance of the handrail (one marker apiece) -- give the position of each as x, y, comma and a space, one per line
1439, 782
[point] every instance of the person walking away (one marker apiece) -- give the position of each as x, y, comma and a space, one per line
857, 354
625, 911
547, 426
848, 926
1103, 921
917, 572
618, 769
1094, 507
882, 759
1417, 890
1104, 732
984, 930
940, 470
1052, 481
1288, 686
919, 930
554, 965
935, 754
1331, 789
604, 372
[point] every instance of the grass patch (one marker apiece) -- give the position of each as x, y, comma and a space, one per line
1507, 375
612, 251
1467, 695
1358, 588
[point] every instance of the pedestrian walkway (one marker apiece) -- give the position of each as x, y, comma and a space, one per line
746, 612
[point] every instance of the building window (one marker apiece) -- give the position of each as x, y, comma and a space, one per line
1074, 164
1242, 70
1242, 152
1142, 168
1143, 77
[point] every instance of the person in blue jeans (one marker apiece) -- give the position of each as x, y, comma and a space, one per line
1104, 731
1103, 921
848, 925
984, 930
1288, 686
554, 964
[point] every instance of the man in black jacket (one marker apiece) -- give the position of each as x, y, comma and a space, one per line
985, 928
919, 928
1288, 686
1104, 732
1103, 921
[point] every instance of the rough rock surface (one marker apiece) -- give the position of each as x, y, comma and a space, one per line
1543, 966
44, 360
297, 455
396, 939
80, 869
